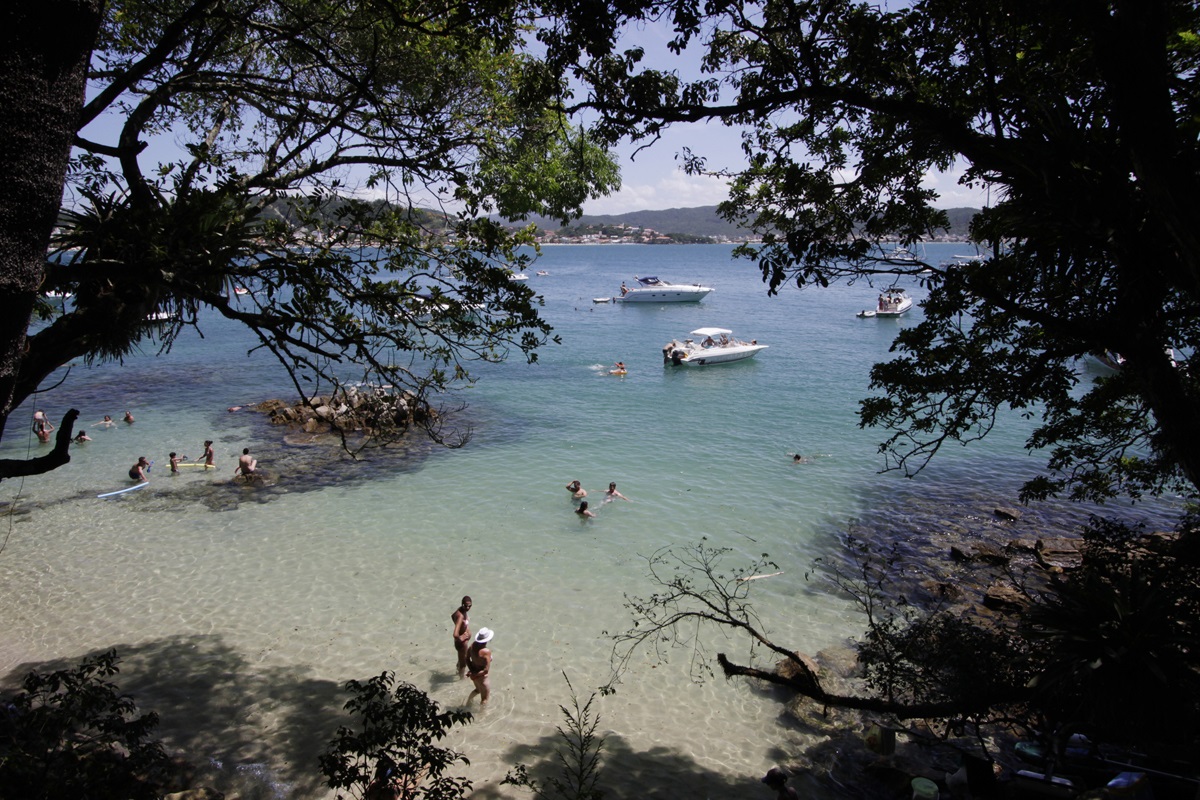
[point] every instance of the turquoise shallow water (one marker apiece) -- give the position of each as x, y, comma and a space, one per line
240, 610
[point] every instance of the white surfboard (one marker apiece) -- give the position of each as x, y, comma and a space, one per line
126, 489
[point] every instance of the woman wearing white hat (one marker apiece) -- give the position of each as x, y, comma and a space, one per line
479, 665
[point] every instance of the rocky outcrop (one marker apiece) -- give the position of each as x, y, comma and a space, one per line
370, 412
1059, 554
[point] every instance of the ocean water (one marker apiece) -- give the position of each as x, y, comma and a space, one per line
240, 610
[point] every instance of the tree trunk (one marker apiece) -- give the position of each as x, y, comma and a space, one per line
45, 46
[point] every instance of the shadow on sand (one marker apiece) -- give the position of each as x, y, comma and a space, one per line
258, 730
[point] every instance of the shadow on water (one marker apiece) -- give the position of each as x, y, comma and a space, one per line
250, 730
296, 464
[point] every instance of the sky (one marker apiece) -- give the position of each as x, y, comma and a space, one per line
653, 180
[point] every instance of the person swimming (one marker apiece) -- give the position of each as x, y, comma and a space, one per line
613, 494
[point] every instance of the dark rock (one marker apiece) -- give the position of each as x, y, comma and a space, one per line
1059, 553
1003, 596
943, 590
990, 554
1009, 514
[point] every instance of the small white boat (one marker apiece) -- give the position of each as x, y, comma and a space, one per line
601, 299
653, 290
160, 316
541, 273
519, 276
959, 260
900, 253
240, 290
866, 312
893, 302
706, 346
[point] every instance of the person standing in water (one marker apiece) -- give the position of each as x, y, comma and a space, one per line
479, 664
209, 455
42, 425
462, 634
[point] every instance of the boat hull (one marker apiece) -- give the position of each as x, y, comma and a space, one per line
721, 355
709, 356
673, 295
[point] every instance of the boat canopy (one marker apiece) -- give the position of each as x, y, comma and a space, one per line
649, 280
712, 332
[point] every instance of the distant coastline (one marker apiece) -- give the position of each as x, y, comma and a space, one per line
700, 225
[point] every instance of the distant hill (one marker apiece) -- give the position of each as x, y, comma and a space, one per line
704, 221
699, 221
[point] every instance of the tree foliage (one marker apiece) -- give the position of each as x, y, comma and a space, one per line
308, 103
1080, 121
393, 744
71, 734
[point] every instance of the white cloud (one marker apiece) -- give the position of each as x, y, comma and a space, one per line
673, 190
953, 195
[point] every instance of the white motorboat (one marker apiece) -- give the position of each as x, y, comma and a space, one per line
958, 260
706, 346
653, 290
519, 276
865, 313
893, 302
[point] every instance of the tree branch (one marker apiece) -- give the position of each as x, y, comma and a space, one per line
18, 468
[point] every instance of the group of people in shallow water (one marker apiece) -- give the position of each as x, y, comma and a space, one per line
43, 427
578, 493
246, 469
474, 655
247, 464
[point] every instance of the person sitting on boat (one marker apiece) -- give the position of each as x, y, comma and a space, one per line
724, 340
618, 369
624, 289
708, 342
